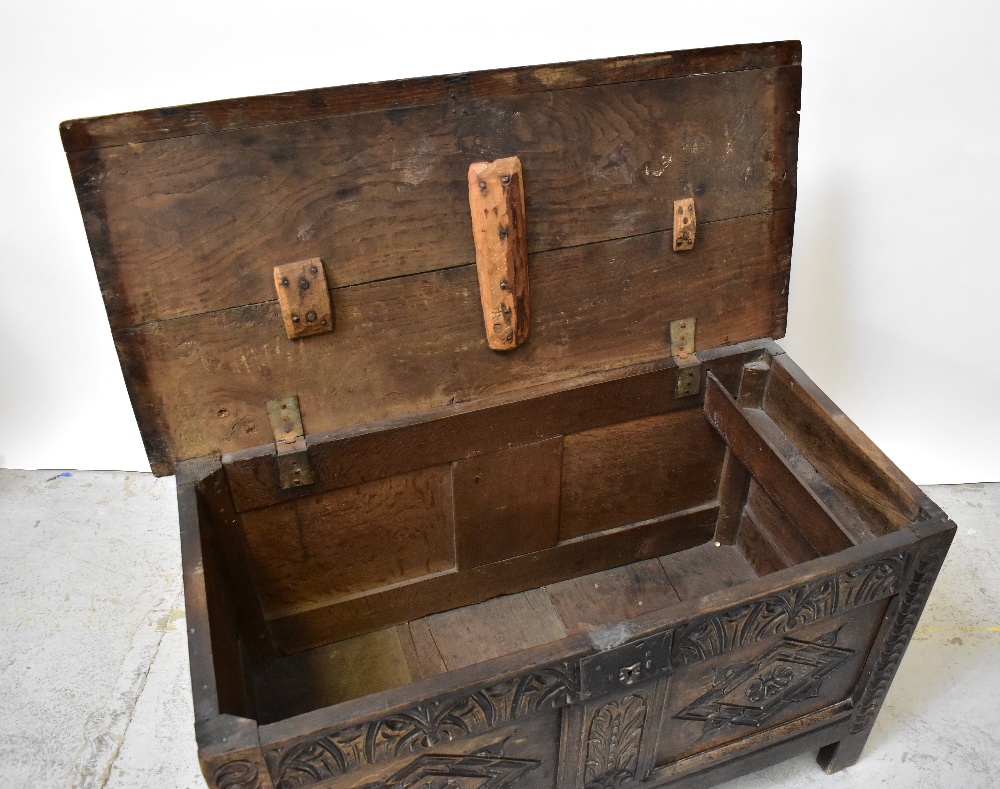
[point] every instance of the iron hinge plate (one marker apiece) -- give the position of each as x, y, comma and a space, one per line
682, 349
294, 469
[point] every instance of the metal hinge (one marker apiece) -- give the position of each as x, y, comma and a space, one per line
682, 350
294, 470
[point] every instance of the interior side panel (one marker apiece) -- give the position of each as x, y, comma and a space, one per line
316, 550
638, 470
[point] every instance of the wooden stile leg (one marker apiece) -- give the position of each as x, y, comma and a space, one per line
900, 622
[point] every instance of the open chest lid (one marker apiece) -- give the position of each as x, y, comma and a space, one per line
189, 210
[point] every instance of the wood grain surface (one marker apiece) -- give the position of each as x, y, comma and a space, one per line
195, 224
199, 383
507, 503
245, 113
846, 457
186, 223
461, 430
638, 470
314, 550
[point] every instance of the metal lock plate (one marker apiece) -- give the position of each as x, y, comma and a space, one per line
624, 666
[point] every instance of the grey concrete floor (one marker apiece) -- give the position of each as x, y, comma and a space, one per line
94, 685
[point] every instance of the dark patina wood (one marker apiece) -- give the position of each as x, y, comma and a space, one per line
605, 557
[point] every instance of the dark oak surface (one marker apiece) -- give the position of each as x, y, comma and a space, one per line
544, 567
256, 111
187, 219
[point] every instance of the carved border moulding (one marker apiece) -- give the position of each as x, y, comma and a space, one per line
432, 771
753, 694
613, 744
901, 631
715, 634
424, 726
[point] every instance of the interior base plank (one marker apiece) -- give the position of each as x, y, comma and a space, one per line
427, 656
706, 568
331, 674
595, 601
498, 627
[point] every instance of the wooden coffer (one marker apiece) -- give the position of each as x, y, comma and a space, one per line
490, 472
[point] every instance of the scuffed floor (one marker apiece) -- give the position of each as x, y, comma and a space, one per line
94, 689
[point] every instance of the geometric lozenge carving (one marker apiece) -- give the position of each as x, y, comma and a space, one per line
752, 694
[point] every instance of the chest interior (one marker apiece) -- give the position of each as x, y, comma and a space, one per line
465, 504
446, 543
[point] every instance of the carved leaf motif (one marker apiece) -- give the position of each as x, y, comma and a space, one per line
239, 774
425, 726
907, 616
613, 744
779, 613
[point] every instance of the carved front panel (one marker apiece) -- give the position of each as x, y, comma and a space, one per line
522, 755
727, 697
608, 743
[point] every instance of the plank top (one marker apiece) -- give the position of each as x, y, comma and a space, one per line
245, 113
188, 211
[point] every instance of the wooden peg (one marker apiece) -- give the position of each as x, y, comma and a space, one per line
304, 298
685, 224
496, 197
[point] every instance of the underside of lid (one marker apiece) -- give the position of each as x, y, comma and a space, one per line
188, 211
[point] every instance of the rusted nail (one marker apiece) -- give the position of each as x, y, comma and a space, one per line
505, 180
284, 281
482, 186
304, 284
295, 319
313, 270
311, 316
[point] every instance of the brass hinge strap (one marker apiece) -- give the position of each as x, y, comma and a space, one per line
682, 349
292, 456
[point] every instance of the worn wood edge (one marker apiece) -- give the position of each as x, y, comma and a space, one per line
815, 399
385, 703
249, 470
769, 747
297, 106
149, 413
847, 516
199, 639
230, 754
320, 624
786, 123
230, 540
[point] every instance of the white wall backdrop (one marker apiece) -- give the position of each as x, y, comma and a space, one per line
894, 286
